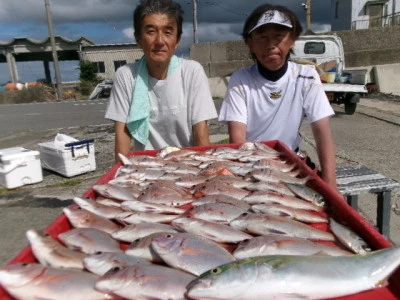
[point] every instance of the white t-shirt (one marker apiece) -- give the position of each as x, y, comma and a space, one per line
177, 103
274, 110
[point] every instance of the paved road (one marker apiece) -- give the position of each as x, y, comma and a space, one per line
359, 138
40, 116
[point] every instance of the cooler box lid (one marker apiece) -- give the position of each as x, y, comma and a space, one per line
9, 154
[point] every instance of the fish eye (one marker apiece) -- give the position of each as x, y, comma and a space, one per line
216, 271
98, 253
169, 236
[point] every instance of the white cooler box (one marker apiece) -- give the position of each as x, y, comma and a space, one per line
73, 159
19, 166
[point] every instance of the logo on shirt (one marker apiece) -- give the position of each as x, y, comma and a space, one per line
276, 95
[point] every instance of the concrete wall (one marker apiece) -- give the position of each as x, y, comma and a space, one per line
374, 49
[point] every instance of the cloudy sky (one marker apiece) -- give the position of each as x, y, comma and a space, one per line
110, 21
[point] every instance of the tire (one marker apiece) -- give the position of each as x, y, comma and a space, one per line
350, 108
350, 103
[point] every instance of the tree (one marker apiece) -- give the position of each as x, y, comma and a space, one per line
88, 71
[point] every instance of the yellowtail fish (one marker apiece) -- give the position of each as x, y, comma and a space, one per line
348, 237
306, 193
296, 277
35, 281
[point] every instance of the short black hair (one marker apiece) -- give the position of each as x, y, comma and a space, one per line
149, 7
256, 14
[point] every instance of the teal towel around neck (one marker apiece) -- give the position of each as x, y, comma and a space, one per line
139, 111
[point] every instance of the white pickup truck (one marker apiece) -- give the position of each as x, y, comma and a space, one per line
327, 51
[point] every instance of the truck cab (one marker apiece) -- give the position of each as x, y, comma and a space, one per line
325, 52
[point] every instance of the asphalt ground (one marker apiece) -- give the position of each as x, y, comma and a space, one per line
36, 206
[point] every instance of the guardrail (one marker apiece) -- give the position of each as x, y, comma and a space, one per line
384, 21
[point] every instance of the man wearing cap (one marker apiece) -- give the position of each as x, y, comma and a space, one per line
267, 101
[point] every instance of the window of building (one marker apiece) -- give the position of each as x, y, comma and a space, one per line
119, 63
314, 48
100, 66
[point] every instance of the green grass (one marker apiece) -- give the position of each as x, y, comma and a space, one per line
225, 141
4, 191
71, 182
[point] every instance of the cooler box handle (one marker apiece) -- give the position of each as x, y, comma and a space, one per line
79, 143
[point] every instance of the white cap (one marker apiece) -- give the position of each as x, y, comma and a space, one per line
273, 17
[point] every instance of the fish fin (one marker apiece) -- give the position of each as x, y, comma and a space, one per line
225, 171
382, 283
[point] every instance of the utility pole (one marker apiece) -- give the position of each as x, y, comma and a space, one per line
54, 51
195, 21
307, 8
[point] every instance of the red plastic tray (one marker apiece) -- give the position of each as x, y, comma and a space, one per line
339, 208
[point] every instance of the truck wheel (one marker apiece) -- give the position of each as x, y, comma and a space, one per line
350, 104
350, 108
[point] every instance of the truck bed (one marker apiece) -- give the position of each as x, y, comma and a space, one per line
345, 88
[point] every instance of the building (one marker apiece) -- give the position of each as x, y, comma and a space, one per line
364, 14
108, 58
25, 49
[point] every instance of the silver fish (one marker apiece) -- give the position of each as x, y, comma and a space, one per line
219, 233
301, 215
97, 208
89, 240
221, 199
82, 218
150, 207
35, 281
145, 282
349, 238
132, 232
139, 217
101, 262
262, 224
272, 175
215, 212
270, 197
271, 186
296, 277
281, 245
114, 192
189, 252
306, 193
142, 248
49, 252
